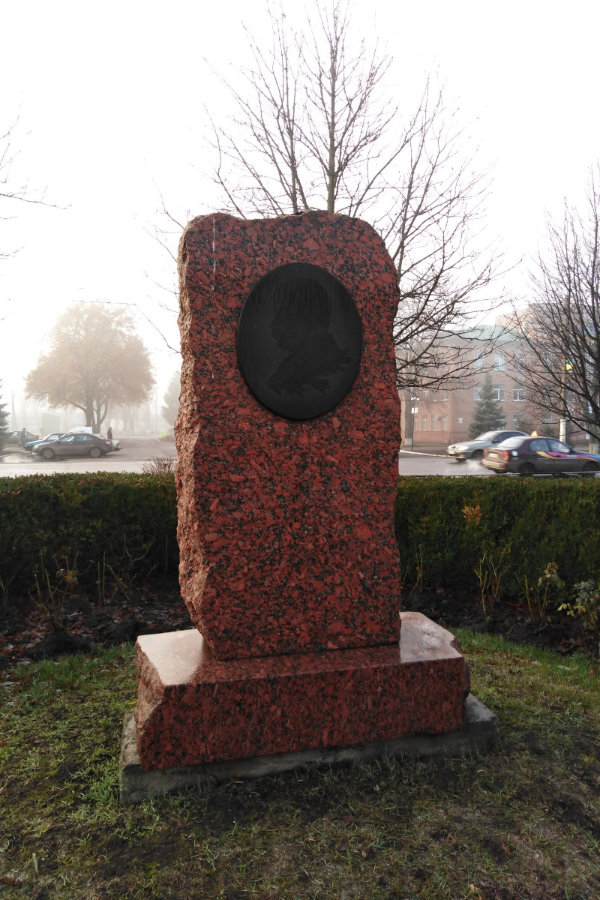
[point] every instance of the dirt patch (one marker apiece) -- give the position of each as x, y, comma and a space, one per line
26, 632
555, 631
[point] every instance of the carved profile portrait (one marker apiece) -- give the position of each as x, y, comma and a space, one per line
299, 341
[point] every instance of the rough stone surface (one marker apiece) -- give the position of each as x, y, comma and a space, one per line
478, 732
289, 565
285, 527
193, 708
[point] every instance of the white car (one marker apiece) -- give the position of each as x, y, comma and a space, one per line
474, 449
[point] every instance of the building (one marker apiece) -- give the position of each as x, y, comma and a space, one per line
434, 418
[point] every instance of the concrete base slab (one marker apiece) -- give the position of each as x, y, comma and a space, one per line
479, 730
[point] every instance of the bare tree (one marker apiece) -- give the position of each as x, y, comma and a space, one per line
8, 191
561, 328
310, 130
313, 130
12, 192
96, 361
433, 232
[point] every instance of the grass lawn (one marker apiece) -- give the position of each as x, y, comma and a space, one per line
521, 822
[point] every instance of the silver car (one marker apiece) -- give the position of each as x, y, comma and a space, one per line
474, 449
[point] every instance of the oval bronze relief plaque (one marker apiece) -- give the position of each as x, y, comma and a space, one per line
299, 341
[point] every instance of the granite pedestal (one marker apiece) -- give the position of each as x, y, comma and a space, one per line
199, 722
193, 708
476, 735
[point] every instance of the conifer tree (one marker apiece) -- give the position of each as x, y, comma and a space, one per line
488, 414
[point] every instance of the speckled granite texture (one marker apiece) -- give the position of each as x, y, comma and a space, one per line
285, 527
194, 709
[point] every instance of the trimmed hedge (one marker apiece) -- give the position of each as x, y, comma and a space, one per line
88, 523
445, 527
110, 526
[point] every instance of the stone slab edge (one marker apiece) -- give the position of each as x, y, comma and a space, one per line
479, 731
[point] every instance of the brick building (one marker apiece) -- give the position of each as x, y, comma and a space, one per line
434, 418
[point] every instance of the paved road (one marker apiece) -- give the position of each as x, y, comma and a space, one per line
410, 463
134, 454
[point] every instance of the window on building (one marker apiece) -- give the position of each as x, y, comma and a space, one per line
518, 394
497, 392
479, 363
519, 362
424, 423
499, 362
443, 423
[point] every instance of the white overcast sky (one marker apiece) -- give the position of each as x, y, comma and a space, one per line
110, 101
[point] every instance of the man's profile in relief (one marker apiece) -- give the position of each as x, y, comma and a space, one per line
300, 328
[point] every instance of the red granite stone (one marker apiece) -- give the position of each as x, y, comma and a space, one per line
285, 527
193, 708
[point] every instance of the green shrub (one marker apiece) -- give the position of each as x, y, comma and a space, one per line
449, 529
116, 525
586, 606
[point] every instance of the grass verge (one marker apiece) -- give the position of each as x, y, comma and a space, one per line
520, 822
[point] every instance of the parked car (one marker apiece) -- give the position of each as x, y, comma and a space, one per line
474, 449
538, 456
49, 437
76, 444
18, 438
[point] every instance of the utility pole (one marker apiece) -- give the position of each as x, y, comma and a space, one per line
562, 427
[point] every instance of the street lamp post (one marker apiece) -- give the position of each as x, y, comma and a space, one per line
562, 425
414, 410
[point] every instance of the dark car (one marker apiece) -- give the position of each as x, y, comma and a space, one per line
538, 456
17, 438
474, 449
49, 437
77, 444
